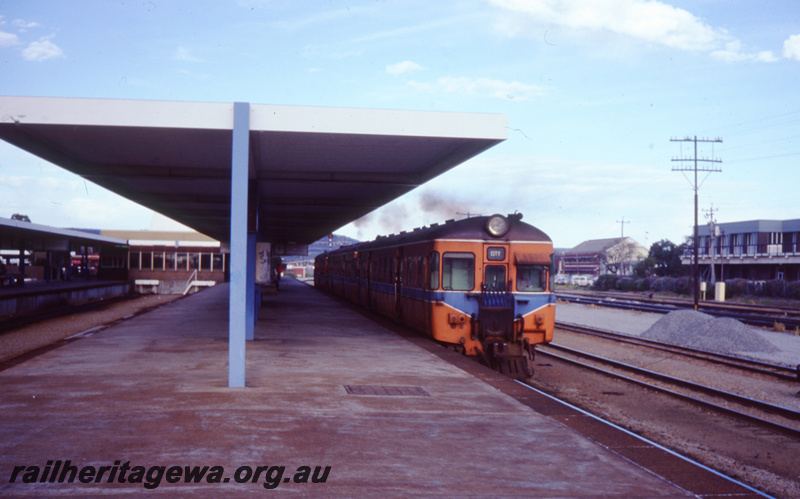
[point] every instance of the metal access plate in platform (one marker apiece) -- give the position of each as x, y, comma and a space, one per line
386, 391
315, 168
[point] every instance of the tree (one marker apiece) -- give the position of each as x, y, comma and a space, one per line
21, 218
644, 268
666, 258
619, 258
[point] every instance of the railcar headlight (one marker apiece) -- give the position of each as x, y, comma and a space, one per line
497, 225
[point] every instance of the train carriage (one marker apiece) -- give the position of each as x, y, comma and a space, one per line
480, 285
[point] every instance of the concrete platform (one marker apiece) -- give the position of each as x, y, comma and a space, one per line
151, 392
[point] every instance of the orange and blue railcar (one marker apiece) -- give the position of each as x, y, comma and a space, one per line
482, 285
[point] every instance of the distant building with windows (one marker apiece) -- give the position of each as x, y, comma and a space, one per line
172, 262
603, 256
757, 250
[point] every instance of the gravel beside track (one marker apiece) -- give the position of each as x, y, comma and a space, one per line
786, 345
699, 330
758, 458
19, 341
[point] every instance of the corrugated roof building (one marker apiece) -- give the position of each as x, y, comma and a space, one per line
603, 256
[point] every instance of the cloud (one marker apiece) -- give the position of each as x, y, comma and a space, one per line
404, 67
481, 87
8, 39
42, 50
184, 54
23, 25
652, 22
791, 48
738, 56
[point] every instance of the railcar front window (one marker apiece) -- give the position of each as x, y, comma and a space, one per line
495, 277
458, 271
531, 278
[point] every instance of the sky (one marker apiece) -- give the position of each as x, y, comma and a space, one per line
596, 92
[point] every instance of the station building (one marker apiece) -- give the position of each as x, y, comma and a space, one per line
603, 256
172, 262
756, 250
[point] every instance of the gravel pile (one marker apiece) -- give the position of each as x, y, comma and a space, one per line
696, 329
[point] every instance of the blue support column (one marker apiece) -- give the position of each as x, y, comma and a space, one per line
240, 157
250, 320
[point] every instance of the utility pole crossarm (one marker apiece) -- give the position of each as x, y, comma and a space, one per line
695, 159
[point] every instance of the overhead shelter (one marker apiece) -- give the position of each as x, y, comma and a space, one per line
21, 236
242, 173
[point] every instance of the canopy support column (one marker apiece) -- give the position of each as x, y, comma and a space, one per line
240, 159
250, 320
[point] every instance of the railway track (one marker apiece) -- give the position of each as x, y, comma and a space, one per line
774, 417
749, 314
778, 371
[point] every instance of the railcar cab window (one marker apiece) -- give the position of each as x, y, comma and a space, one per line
458, 271
495, 277
531, 278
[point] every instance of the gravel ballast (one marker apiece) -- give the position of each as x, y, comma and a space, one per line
699, 330
787, 345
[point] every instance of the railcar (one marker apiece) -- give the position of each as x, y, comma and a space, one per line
481, 285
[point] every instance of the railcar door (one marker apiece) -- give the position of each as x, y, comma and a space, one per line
495, 266
496, 305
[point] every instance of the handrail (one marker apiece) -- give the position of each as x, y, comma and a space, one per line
189, 282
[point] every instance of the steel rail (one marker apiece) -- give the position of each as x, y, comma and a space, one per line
780, 371
642, 439
630, 303
684, 303
773, 409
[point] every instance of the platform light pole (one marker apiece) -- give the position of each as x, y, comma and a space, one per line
695, 168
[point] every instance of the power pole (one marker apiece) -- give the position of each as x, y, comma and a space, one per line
622, 245
712, 237
622, 229
695, 185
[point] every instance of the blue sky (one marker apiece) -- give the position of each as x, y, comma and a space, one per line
593, 90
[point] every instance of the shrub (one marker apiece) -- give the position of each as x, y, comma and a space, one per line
793, 290
644, 284
663, 284
626, 284
684, 285
606, 282
776, 288
735, 287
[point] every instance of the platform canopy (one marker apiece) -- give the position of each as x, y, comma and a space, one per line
312, 169
18, 234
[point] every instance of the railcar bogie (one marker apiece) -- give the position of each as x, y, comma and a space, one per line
480, 285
